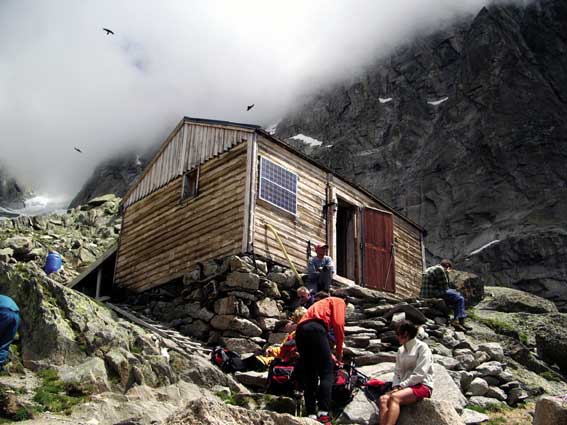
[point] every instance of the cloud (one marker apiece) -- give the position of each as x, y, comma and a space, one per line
65, 83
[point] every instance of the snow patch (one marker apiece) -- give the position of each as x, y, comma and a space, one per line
273, 128
309, 140
476, 251
385, 99
138, 162
43, 204
437, 102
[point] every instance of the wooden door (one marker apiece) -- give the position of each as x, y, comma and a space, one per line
378, 253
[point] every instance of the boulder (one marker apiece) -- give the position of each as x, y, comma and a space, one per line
200, 371
206, 411
19, 244
241, 345
469, 285
497, 393
493, 349
427, 411
448, 362
196, 328
242, 280
236, 324
103, 199
89, 376
411, 313
252, 379
445, 388
285, 280
472, 417
550, 411
269, 288
266, 307
359, 411
489, 368
484, 402
228, 305
478, 387
510, 300
551, 342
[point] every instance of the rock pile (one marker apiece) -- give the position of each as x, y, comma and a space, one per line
239, 303
80, 235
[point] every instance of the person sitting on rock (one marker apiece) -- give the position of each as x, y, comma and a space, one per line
320, 269
436, 284
9, 323
413, 376
315, 358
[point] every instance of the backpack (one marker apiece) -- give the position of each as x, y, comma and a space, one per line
281, 378
374, 388
227, 360
346, 380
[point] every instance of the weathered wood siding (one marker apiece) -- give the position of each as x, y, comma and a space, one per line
189, 145
407, 240
162, 238
295, 232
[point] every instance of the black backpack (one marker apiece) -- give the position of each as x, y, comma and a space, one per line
227, 360
346, 380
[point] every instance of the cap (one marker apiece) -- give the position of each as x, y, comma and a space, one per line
321, 245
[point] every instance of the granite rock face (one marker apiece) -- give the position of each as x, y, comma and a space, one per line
471, 144
12, 193
113, 176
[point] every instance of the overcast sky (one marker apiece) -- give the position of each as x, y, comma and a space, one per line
65, 83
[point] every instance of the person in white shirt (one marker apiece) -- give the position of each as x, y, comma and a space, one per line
413, 377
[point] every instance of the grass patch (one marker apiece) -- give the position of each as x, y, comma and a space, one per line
494, 407
56, 396
497, 421
232, 399
499, 326
551, 376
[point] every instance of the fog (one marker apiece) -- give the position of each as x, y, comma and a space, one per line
64, 83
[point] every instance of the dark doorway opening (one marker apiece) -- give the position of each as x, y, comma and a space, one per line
346, 260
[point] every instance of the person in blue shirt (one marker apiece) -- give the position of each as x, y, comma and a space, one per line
9, 323
320, 269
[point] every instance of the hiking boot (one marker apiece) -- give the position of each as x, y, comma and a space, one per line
324, 419
458, 327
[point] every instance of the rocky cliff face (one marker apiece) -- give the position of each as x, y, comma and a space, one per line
112, 176
463, 131
11, 192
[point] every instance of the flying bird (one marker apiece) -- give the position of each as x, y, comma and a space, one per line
78, 150
249, 107
108, 32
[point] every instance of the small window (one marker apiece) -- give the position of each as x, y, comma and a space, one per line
278, 186
190, 187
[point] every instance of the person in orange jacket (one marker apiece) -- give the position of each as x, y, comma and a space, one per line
317, 365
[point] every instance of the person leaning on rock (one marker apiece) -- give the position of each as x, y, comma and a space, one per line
320, 269
436, 284
9, 323
413, 376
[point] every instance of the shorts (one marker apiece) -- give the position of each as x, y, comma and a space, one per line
421, 391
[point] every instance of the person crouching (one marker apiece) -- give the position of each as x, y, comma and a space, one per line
413, 376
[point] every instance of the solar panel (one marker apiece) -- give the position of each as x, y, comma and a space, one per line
278, 186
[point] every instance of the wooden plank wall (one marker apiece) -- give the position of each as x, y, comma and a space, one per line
192, 144
407, 240
294, 232
162, 239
